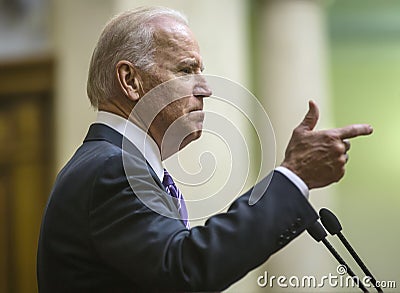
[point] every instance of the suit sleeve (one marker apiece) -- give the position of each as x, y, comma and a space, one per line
157, 250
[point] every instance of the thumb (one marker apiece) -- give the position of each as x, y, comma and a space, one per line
311, 118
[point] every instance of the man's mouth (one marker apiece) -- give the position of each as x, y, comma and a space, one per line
197, 110
197, 114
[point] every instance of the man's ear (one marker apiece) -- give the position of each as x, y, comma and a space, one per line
129, 80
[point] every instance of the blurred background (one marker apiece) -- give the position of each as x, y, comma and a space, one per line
344, 54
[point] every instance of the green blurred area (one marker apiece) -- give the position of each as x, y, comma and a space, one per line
365, 88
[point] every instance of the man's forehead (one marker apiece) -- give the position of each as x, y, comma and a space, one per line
169, 32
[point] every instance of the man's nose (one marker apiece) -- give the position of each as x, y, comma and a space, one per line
201, 88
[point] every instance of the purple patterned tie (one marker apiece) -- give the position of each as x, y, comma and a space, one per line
173, 191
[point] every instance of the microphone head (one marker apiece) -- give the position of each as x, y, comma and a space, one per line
330, 221
317, 231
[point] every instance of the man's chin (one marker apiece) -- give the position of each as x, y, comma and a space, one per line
194, 135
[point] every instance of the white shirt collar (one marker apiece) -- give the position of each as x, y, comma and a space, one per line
146, 145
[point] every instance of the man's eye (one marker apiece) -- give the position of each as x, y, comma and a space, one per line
186, 70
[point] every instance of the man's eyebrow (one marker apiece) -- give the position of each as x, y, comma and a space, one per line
192, 62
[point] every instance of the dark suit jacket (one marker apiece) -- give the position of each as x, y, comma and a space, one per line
98, 236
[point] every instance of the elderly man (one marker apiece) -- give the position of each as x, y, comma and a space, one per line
115, 221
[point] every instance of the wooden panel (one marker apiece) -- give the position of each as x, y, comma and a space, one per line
26, 160
29, 75
4, 232
27, 183
6, 136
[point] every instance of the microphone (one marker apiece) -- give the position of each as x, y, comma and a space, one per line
319, 234
332, 224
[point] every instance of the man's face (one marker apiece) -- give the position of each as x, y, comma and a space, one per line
177, 56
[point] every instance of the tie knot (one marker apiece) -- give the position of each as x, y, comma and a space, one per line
167, 181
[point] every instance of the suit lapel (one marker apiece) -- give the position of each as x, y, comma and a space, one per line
102, 132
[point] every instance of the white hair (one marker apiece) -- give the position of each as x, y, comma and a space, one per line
128, 36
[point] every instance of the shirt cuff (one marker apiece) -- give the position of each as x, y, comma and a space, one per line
295, 179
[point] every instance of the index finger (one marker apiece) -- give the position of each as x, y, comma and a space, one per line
354, 130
